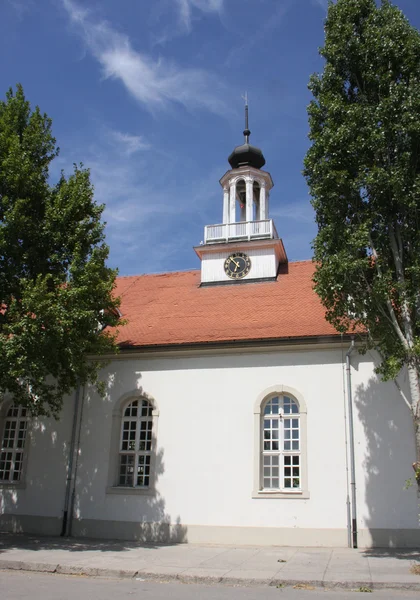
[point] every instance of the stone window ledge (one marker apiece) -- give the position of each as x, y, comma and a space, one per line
130, 491
301, 494
10, 485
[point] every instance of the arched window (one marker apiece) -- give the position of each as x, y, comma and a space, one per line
136, 443
281, 444
13, 444
280, 421
132, 467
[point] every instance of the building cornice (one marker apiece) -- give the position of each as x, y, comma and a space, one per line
312, 343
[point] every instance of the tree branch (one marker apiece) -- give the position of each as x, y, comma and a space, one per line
405, 311
404, 397
391, 311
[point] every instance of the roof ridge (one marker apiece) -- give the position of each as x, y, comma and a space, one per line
306, 260
159, 273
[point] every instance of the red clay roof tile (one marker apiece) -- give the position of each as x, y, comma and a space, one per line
172, 309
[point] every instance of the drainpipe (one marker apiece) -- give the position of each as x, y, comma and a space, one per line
70, 463
77, 448
346, 443
351, 443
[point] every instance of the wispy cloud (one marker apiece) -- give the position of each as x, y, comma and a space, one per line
186, 7
156, 84
129, 143
153, 215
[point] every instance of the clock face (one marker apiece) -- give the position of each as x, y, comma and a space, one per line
237, 265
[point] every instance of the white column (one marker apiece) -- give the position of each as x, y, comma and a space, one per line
249, 198
232, 207
263, 203
225, 205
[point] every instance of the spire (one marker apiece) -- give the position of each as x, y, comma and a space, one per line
246, 155
247, 133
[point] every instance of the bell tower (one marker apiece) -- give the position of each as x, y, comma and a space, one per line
245, 247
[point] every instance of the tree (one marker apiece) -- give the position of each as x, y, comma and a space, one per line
55, 288
363, 171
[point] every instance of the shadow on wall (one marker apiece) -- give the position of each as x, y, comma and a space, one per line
151, 523
392, 512
40, 492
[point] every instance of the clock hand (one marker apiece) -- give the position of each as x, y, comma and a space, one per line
237, 264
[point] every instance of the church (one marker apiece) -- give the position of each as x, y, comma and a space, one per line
233, 414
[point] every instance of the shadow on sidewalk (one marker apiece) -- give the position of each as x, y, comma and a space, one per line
9, 541
400, 553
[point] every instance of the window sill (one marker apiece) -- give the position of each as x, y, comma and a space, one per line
128, 491
298, 494
11, 485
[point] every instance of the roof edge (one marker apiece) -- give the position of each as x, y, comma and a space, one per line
335, 340
269, 342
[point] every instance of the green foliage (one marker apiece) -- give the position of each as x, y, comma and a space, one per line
56, 291
363, 170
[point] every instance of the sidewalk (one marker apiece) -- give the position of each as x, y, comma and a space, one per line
188, 563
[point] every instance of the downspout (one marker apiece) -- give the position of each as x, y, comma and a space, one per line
70, 463
351, 443
346, 443
73, 491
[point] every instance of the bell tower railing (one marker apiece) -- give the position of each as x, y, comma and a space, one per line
243, 230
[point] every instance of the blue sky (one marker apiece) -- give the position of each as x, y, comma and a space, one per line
147, 93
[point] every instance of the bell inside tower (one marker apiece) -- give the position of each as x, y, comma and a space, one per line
241, 196
256, 193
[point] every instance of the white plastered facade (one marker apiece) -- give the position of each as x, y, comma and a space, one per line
205, 454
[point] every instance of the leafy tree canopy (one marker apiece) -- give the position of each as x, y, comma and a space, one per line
55, 288
363, 170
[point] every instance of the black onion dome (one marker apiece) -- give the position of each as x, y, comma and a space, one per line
246, 155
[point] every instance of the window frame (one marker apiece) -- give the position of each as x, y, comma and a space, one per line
4, 410
140, 455
259, 491
118, 418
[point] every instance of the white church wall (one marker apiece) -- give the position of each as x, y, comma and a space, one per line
205, 456
205, 441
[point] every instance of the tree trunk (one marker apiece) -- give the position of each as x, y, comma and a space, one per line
413, 378
416, 465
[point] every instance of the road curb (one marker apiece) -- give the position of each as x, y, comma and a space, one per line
17, 565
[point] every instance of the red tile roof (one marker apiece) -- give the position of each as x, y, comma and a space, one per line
172, 309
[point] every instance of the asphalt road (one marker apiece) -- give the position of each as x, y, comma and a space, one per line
40, 586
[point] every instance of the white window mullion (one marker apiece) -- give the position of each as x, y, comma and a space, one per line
281, 458
137, 449
12, 466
